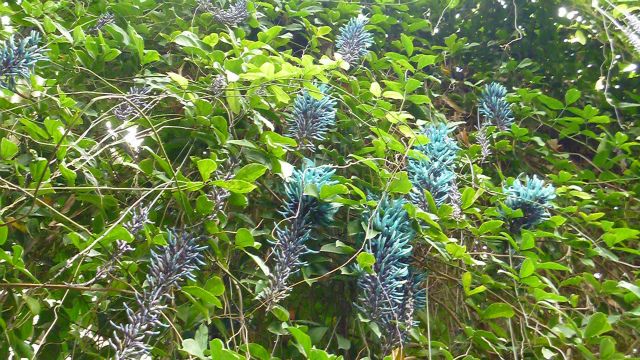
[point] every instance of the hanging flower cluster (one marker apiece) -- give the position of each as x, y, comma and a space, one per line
136, 101
494, 107
18, 58
219, 195
303, 213
171, 265
632, 30
353, 40
533, 197
105, 270
391, 293
312, 118
234, 15
434, 171
139, 217
483, 141
103, 20
218, 85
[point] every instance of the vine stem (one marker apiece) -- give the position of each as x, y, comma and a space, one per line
59, 286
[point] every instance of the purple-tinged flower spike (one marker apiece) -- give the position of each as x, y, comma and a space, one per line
390, 295
632, 29
632, 21
632, 37
103, 20
121, 247
483, 141
234, 15
303, 213
218, 85
139, 217
18, 59
312, 118
353, 41
455, 199
220, 195
170, 265
136, 101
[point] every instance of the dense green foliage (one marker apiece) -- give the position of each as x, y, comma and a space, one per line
427, 179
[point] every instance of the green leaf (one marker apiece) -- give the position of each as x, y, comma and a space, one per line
375, 89
466, 285
236, 186
218, 352
39, 170
259, 262
497, 310
552, 266
366, 260
419, 99
407, 43
233, 98
137, 42
204, 205
393, 95
400, 184
328, 192
250, 172
7, 149
457, 251
280, 313
527, 268
4, 233
280, 94
617, 235
528, 241
426, 60
270, 34
149, 56
303, 340
490, 226
244, 238
634, 289
179, 79
607, 347
571, 96
189, 39
192, 347
215, 286
112, 54
542, 295
469, 197
206, 167
202, 294
550, 102
598, 324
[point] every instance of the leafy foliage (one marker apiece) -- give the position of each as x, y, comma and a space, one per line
304, 212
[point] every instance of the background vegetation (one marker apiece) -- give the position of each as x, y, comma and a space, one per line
145, 148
